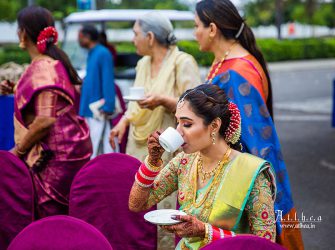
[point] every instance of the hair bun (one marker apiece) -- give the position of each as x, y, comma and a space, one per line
171, 39
47, 35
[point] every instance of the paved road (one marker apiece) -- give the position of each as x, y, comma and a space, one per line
303, 101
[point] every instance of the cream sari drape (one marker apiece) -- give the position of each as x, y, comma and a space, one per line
178, 73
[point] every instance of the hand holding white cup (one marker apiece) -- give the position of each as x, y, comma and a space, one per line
171, 140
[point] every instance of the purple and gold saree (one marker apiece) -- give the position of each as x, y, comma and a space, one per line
45, 90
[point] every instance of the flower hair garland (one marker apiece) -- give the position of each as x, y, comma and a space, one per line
233, 131
47, 35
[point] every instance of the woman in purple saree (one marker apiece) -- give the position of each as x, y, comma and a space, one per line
49, 136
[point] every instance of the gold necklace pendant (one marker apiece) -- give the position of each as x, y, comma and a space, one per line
210, 79
206, 175
214, 183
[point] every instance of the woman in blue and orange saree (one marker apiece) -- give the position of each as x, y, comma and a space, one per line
51, 139
223, 192
240, 70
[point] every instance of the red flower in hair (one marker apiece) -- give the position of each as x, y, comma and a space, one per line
47, 35
233, 131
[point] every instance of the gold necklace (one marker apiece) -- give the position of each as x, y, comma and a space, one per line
203, 174
39, 57
206, 175
215, 181
210, 79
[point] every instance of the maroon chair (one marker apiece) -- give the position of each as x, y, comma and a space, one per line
243, 242
99, 195
60, 232
16, 197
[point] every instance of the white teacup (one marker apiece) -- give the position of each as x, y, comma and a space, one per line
171, 140
136, 92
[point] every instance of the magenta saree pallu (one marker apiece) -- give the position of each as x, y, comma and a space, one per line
67, 144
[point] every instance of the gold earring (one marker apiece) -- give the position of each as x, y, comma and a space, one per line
213, 138
22, 44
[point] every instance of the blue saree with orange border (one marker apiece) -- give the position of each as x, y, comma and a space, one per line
246, 85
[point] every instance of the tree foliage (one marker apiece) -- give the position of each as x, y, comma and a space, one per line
61, 8
9, 9
317, 12
258, 12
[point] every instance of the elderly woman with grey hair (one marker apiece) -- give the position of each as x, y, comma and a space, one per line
165, 73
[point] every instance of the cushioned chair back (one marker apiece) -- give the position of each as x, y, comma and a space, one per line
242, 242
16, 197
99, 195
60, 232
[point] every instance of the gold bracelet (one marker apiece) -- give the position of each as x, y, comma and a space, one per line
155, 168
206, 234
18, 151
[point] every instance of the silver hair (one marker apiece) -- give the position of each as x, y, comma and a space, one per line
160, 26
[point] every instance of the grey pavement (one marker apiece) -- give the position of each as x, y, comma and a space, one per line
303, 99
302, 65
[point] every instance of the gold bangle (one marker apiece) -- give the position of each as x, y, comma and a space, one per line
153, 167
19, 151
206, 234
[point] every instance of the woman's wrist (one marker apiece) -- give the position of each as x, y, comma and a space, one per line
208, 233
213, 233
154, 164
145, 176
125, 120
161, 100
20, 152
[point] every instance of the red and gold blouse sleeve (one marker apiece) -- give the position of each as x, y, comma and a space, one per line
260, 209
166, 182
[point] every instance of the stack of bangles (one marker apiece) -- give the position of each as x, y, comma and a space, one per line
146, 175
213, 233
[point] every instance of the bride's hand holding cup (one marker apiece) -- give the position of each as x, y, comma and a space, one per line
155, 149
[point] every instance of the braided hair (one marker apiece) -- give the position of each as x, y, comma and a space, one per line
210, 102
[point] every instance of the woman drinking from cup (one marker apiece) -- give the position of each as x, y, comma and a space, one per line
212, 176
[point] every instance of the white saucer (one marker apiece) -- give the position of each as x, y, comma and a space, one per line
163, 216
133, 98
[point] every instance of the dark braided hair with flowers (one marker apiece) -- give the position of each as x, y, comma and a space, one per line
210, 102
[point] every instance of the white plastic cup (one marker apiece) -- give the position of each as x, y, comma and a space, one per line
171, 140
